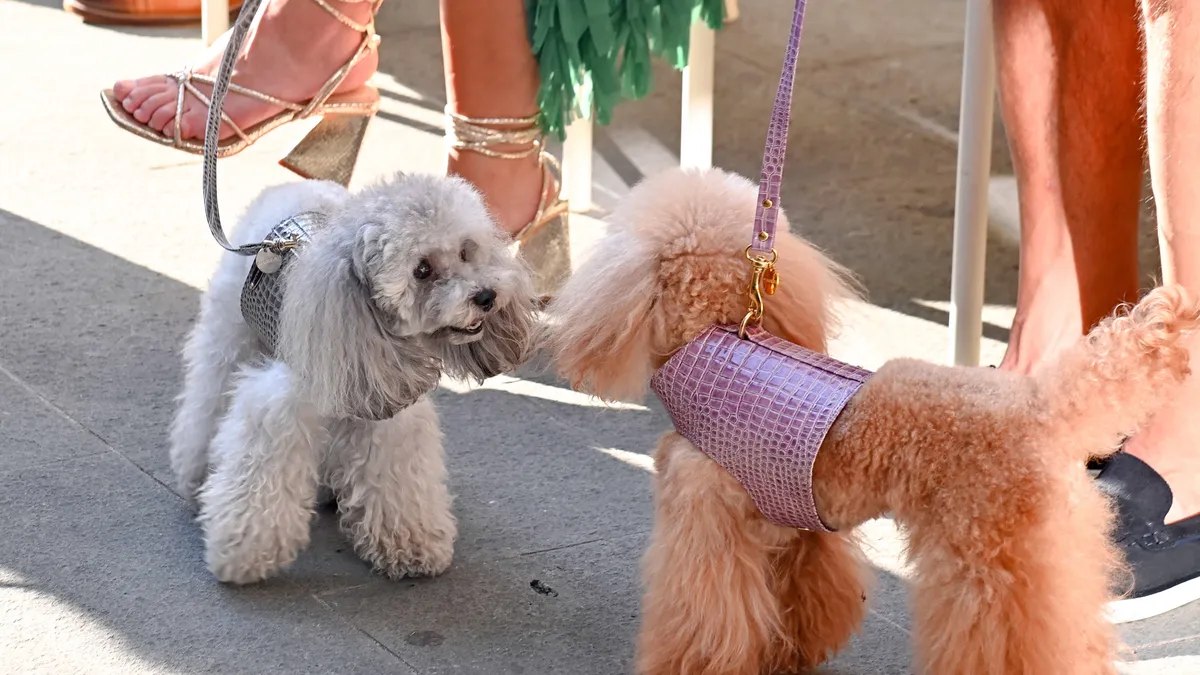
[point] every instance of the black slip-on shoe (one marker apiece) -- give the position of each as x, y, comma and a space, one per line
1165, 559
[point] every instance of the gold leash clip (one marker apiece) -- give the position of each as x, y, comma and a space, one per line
764, 278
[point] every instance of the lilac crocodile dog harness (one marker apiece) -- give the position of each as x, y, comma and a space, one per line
758, 405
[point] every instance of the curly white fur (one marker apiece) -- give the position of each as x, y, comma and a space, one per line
364, 331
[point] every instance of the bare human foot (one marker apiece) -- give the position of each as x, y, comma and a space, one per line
291, 50
1169, 446
1047, 322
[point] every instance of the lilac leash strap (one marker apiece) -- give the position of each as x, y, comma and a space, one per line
777, 137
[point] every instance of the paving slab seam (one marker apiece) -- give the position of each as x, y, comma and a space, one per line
826, 66
619, 538
869, 107
944, 135
82, 427
52, 462
889, 622
1163, 643
29, 389
342, 589
175, 165
558, 548
365, 632
550, 416
886, 115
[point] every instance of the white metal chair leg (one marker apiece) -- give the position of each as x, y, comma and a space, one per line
696, 123
214, 19
577, 166
971, 190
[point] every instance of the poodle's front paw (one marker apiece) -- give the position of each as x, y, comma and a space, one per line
241, 567
247, 550
410, 554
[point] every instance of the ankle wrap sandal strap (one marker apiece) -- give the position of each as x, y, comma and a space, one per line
483, 134
368, 27
186, 77
544, 241
370, 43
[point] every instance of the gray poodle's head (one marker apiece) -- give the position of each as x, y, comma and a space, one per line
411, 278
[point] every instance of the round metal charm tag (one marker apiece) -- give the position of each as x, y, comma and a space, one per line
268, 261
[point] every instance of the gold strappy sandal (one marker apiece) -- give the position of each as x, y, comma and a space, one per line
328, 151
545, 242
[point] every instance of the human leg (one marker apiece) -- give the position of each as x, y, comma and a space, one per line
1074, 136
492, 81
491, 74
1172, 444
1155, 483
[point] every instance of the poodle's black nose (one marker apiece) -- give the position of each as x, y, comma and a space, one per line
485, 299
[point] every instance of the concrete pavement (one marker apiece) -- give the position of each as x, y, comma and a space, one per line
103, 250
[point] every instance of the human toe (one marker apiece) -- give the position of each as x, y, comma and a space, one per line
137, 96
154, 107
123, 88
194, 122
163, 114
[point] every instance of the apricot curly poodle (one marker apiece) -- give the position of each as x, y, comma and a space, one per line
983, 469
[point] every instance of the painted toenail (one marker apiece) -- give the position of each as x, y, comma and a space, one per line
128, 102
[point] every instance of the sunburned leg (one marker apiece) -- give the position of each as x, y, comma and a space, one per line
1069, 75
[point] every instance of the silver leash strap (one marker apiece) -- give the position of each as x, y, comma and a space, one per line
212, 131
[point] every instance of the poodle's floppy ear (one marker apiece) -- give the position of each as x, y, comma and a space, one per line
332, 336
509, 337
803, 309
604, 320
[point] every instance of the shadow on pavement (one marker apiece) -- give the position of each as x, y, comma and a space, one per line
88, 372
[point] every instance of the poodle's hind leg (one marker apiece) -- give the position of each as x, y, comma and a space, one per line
257, 506
390, 482
217, 343
823, 582
1018, 588
708, 607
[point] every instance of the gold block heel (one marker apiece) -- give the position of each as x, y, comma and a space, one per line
547, 251
330, 150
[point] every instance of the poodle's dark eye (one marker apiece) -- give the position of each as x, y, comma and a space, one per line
423, 269
468, 250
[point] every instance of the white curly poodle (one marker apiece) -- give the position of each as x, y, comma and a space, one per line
405, 281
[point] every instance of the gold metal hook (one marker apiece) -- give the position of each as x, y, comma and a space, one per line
763, 279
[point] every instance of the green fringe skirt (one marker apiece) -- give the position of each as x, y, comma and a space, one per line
591, 54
